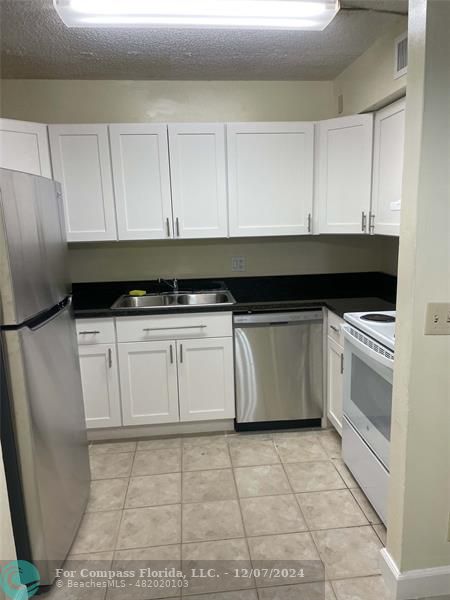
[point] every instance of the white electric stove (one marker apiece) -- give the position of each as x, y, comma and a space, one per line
369, 342
379, 325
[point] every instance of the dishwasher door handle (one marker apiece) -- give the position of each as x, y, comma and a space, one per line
284, 318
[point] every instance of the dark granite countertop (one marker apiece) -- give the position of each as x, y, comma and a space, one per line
340, 292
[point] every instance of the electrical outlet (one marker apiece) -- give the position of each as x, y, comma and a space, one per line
238, 263
437, 320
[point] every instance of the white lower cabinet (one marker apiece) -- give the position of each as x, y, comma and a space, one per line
148, 382
206, 379
176, 368
335, 370
100, 383
170, 381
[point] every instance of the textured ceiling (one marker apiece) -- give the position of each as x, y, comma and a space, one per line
36, 45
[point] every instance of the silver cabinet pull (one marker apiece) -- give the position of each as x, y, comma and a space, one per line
168, 227
363, 221
342, 363
181, 353
170, 328
371, 222
110, 358
171, 354
336, 329
178, 226
309, 222
89, 332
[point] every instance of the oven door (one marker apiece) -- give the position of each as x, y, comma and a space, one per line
368, 377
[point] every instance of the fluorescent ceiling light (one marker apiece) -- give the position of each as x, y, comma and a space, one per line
234, 14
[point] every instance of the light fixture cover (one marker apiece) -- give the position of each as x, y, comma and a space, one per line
311, 15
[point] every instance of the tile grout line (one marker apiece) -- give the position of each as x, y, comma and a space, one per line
123, 509
242, 516
306, 522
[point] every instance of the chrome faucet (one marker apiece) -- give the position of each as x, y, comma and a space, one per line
172, 284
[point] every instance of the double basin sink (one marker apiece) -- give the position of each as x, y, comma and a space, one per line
174, 299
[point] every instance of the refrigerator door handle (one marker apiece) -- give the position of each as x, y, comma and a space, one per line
36, 324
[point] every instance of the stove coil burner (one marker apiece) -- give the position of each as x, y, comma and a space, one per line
379, 318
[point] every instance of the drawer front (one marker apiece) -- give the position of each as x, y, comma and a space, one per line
366, 468
171, 327
334, 328
95, 331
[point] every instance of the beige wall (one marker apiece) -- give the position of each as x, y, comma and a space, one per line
203, 258
419, 510
60, 101
368, 83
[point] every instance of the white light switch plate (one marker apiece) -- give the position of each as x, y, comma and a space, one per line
437, 320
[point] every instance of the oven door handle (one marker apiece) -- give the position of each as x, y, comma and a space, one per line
373, 354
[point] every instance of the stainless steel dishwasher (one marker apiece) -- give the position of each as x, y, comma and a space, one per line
279, 369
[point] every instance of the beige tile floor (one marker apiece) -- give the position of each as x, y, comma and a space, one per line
278, 497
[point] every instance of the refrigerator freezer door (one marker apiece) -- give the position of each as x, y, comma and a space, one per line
46, 400
33, 248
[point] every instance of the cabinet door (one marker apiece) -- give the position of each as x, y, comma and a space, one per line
100, 381
344, 174
206, 379
81, 162
148, 382
198, 172
270, 174
140, 159
335, 366
388, 168
24, 147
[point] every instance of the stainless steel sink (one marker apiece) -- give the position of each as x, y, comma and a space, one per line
147, 301
170, 300
194, 299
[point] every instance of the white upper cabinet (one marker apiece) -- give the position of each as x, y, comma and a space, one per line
198, 176
82, 163
24, 147
388, 168
270, 177
140, 159
344, 174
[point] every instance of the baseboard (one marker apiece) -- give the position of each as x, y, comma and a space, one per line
140, 431
410, 585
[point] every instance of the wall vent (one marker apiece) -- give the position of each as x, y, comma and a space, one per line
401, 55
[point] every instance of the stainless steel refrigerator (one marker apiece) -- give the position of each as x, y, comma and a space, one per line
43, 430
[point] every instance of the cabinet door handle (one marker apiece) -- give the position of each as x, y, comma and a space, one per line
363, 221
181, 353
336, 329
178, 226
171, 354
110, 358
342, 363
169, 328
168, 227
309, 222
88, 332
